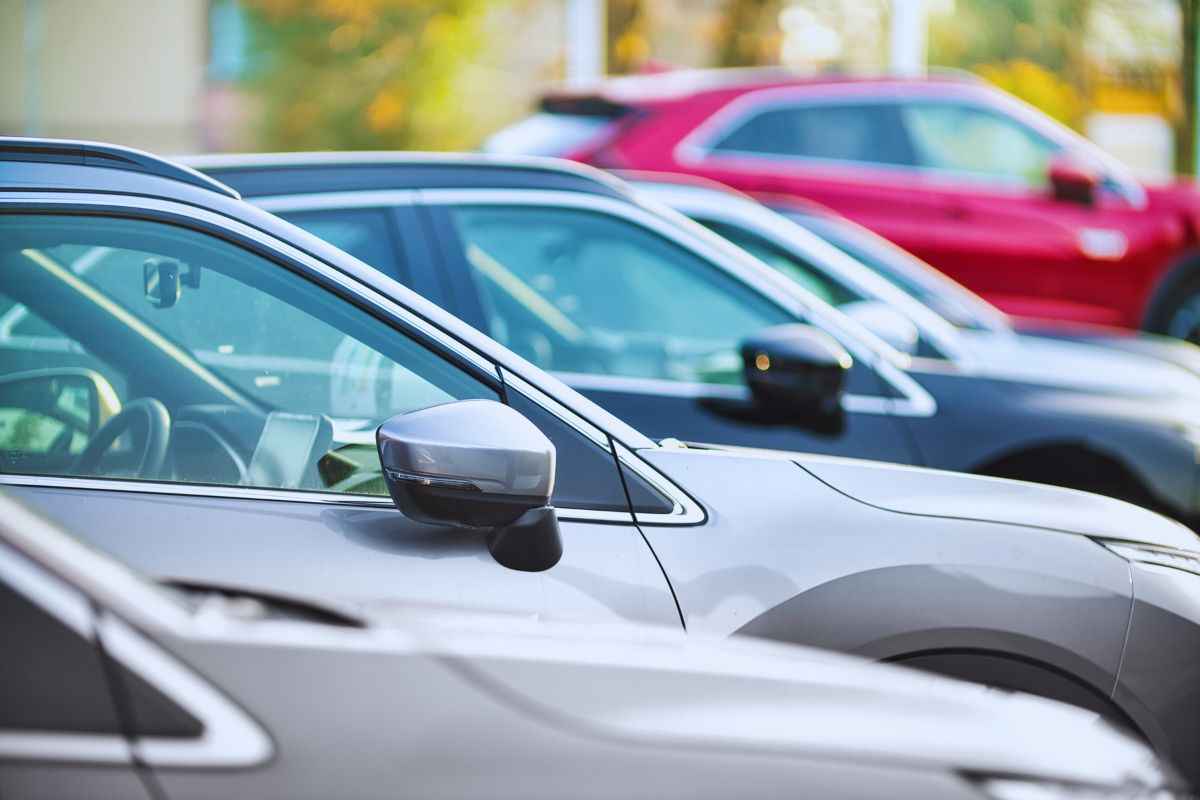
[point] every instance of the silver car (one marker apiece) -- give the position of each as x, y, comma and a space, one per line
217, 397
112, 686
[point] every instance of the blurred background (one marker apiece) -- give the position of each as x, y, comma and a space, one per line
176, 76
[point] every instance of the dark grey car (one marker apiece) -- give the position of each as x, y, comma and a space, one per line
213, 419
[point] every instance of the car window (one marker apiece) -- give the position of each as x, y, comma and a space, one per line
803, 273
232, 369
899, 266
863, 132
361, 232
581, 291
977, 141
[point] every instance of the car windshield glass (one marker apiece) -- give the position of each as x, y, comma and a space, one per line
904, 270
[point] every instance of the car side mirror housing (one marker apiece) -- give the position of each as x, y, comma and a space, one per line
476, 464
795, 371
1073, 182
885, 322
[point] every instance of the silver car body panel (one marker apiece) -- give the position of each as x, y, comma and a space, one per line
459, 704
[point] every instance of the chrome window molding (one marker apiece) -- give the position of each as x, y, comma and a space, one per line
229, 737
743, 267
225, 492
685, 510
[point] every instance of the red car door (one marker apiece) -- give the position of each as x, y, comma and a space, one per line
1002, 231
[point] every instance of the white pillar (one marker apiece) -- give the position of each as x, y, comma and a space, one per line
585, 41
908, 37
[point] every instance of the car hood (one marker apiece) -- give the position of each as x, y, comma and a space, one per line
953, 495
1098, 366
1184, 355
669, 688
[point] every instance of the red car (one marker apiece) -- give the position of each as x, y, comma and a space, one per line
1019, 208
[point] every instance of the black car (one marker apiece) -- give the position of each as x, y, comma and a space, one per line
662, 322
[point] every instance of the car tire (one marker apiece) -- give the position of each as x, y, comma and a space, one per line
1175, 304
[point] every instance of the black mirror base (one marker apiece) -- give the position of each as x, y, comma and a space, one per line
530, 544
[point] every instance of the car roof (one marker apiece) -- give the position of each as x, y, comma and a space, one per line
679, 85
263, 174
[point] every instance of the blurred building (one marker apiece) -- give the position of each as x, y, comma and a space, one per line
127, 71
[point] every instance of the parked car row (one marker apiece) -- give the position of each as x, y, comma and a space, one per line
243, 411
986, 188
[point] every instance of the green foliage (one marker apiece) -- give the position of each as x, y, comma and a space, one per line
365, 74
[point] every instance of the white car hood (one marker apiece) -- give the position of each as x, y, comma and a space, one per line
936, 493
666, 687
1076, 365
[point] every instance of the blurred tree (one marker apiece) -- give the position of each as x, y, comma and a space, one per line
1033, 48
364, 74
628, 36
748, 33
1185, 129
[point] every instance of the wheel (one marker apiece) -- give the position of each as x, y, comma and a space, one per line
1175, 309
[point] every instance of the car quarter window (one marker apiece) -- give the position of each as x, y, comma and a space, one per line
859, 132
52, 679
977, 141
201, 362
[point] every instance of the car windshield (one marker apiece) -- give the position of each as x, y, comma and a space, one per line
952, 302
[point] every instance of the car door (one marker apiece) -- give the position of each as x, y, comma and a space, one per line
243, 453
1002, 232
645, 327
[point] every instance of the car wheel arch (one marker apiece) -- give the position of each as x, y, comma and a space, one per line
1184, 270
1009, 671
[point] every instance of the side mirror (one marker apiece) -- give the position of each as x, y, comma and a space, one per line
476, 464
885, 322
1072, 181
81, 399
795, 371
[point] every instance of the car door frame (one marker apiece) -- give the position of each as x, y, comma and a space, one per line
370, 292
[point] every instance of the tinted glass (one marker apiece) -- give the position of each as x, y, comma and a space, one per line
899, 266
868, 132
361, 232
977, 141
264, 378
803, 273
584, 292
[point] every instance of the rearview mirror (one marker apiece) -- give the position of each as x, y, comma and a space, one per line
476, 464
885, 322
1072, 181
795, 371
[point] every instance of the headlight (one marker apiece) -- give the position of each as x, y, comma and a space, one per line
1186, 560
1020, 789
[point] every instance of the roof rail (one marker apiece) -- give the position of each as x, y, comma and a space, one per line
98, 154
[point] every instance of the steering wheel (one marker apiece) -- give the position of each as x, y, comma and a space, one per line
155, 422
